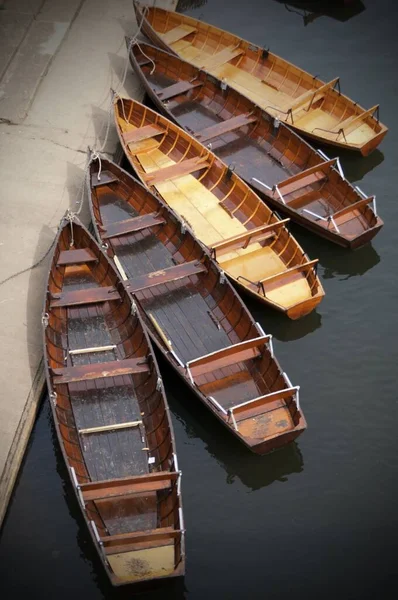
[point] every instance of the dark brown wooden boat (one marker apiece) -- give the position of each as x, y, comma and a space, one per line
249, 241
110, 413
314, 108
292, 177
193, 313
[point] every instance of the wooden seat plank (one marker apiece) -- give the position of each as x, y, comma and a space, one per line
354, 119
243, 240
138, 540
106, 177
224, 127
132, 225
142, 133
76, 257
311, 94
178, 88
149, 280
112, 488
352, 207
283, 277
216, 60
227, 356
89, 295
177, 33
113, 368
185, 167
310, 176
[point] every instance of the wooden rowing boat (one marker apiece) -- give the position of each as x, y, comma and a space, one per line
248, 240
193, 313
314, 108
293, 177
110, 413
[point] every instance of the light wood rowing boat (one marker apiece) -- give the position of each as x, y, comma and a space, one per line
193, 314
285, 170
248, 240
314, 108
111, 414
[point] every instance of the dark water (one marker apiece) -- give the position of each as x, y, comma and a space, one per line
319, 518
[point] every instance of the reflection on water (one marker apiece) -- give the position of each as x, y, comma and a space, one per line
254, 471
355, 166
279, 325
335, 260
310, 10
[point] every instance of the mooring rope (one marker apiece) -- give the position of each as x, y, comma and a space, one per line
93, 154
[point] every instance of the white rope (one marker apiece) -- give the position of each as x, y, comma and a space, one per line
115, 92
96, 154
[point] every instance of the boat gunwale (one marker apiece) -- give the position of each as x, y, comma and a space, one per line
217, 163
179, 569
153, 35
231, 93
182, 372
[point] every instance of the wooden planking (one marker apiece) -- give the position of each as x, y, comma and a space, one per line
150, 482
138, 540
185, 167
130, 225
224, 127
299, 183
178, 88
222, 57
177, 33
225, 361
89, 295
76, 257
352, 207
142, 133
279, 277
106, 178
262, 401
100, 370
354, 119
250, 236
312, 94
227, 356
165, 276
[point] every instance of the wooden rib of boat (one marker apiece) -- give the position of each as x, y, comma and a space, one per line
193, 313
248, 240
111, 414
314, 108
285, 170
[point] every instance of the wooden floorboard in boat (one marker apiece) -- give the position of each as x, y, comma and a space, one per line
183, 315
113, 453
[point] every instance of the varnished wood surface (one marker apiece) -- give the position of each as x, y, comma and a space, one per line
314, 108
218, 205
197, 320
243, 135
110, 412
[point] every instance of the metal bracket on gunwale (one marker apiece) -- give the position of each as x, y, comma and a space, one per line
277, 190
337, 159
261, 183
365, 196
77, 486
328, 219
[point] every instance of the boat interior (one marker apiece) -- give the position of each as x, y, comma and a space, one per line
110, 411
192, 311
244, 136
251, 244
310, 105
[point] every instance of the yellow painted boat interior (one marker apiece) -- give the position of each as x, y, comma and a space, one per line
311, 106
219, 206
